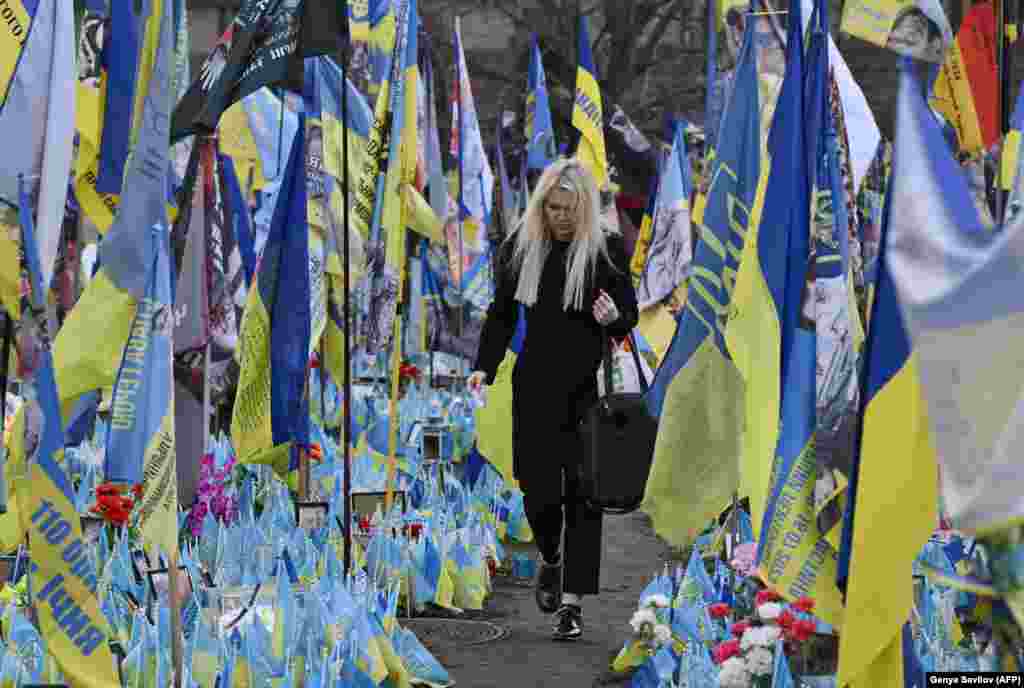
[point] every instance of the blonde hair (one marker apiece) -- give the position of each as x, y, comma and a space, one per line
533, 238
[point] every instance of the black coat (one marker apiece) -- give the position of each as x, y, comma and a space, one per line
554, 381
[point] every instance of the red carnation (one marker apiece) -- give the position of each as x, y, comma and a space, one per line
739, 628
803, 629
719, 610
804, 604
726, 650
416, 529
766, 596
786, 619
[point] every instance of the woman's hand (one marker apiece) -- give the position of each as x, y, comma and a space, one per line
476, 380
605, 310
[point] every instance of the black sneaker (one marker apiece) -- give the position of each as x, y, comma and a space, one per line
548, 588
568, 622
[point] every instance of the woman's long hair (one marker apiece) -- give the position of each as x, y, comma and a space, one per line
533, 239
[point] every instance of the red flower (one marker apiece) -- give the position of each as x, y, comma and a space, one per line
726, 650
416, 529
137, 491
739, 628
492, 566
364, 524
804, 604
803, 629
719, 610
765, 596
107, 489
786, 620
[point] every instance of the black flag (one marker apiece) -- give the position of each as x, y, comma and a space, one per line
264, 46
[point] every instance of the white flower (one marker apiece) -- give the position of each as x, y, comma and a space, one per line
658, 601
769, 611
641, 618
662, 634
734, 674
760, 636
760, 661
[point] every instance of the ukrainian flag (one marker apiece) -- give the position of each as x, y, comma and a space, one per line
383, 32
587, 114
88, 349
270, 421
697, 391
894, 482
14, 31
1010, 160
541, 149
64, 580
794, 556
755, 333
957, 287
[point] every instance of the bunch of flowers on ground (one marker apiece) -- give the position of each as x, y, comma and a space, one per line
651, 624
748, 658
113, 505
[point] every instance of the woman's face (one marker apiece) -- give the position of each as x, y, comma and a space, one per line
560, 208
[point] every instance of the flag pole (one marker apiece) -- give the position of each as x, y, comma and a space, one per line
458, 210
346, 422
5, 366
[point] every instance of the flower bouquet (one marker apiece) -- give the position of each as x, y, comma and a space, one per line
748, 659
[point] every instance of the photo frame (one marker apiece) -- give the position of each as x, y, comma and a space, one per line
92, 527
160, 582
366, 502
12, 568
311, 515
140, 564
432, 443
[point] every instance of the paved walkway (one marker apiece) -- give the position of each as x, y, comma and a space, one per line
527, 657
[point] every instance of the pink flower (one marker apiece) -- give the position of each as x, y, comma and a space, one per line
744, 558
206, 461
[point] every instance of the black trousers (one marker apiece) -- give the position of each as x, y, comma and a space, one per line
550, 485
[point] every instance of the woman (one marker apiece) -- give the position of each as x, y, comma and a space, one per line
572, 282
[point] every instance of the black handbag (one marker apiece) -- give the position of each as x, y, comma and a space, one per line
618, 435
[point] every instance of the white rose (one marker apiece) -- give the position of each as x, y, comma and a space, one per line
662, 634
769, 611
734, 674
641, 618
760, 661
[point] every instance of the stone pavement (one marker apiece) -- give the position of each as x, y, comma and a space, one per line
527, 657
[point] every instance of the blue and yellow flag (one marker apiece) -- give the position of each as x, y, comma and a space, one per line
958, 289
383, 22
1010, 160
122, 51
894, 480
587, 112
270, 421
697, 390
64, 579
16, 28
88, 349
794, 556
541, 148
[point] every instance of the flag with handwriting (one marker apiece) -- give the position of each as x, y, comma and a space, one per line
17, 27
697, 391
894, 480
63, 576
794, 556
88, 348
966, 91
270, 418
587, 112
